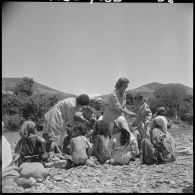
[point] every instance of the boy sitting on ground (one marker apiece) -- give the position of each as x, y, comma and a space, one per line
101, 139
51, 146
80, 147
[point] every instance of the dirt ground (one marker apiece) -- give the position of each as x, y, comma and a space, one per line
176, 177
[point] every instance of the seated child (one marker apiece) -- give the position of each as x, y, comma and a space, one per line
51, 146
30, 147
101, 139
66, 143
80, 147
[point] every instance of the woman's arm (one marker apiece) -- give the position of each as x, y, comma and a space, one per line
117, 106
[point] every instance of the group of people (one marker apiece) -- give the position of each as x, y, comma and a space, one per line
82, 127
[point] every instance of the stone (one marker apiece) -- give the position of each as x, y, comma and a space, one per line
57, 178
25, 183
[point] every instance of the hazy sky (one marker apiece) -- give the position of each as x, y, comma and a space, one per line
84, 48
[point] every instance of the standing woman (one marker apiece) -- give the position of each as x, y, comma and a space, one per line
116, 105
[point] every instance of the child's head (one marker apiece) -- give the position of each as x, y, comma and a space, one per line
102, 128
78, 129
27, 128
48, 137
87, 112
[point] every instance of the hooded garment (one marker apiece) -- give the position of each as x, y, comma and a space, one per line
162, 122
25, 128
123, 154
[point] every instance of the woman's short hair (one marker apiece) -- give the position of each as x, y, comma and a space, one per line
121, 82
82, 99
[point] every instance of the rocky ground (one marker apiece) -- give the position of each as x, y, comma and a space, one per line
176, 177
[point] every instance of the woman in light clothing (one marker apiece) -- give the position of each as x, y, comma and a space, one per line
160, 147
116, 103
61, 114
123, 145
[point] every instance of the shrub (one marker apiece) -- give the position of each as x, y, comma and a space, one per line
35, 107
13, 122
10, 104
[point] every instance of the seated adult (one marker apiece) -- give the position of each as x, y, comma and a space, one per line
160, 147
30, 147
123, 144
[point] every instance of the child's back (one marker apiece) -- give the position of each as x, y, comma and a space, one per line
78, 149
101, 148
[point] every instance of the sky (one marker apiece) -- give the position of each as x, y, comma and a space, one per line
85, 48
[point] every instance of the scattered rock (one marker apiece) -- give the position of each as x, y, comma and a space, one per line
57, 178
25, 183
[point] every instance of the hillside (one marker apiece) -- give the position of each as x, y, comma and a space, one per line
148, 89
9, 83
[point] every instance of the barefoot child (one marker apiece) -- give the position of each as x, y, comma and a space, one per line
80, 147
101, 139
51, 146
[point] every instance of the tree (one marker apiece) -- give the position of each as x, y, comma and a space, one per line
170, 96
24, 87
35, 107
10, 104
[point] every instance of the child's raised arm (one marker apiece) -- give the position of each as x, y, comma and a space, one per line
57, 149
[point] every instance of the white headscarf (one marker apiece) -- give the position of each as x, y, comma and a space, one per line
162, 122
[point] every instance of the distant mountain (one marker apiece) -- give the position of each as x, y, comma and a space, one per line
8, 85
148, 89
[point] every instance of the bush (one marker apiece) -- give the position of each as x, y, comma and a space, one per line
35, 107
188, 117
11, 104
13, 122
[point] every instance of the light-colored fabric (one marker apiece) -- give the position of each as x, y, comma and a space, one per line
62, 113
131, 150
114, 103
58, 117
6, 152
25, 128
143, 119
35, 170
159, 148
121, 123
162, 122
